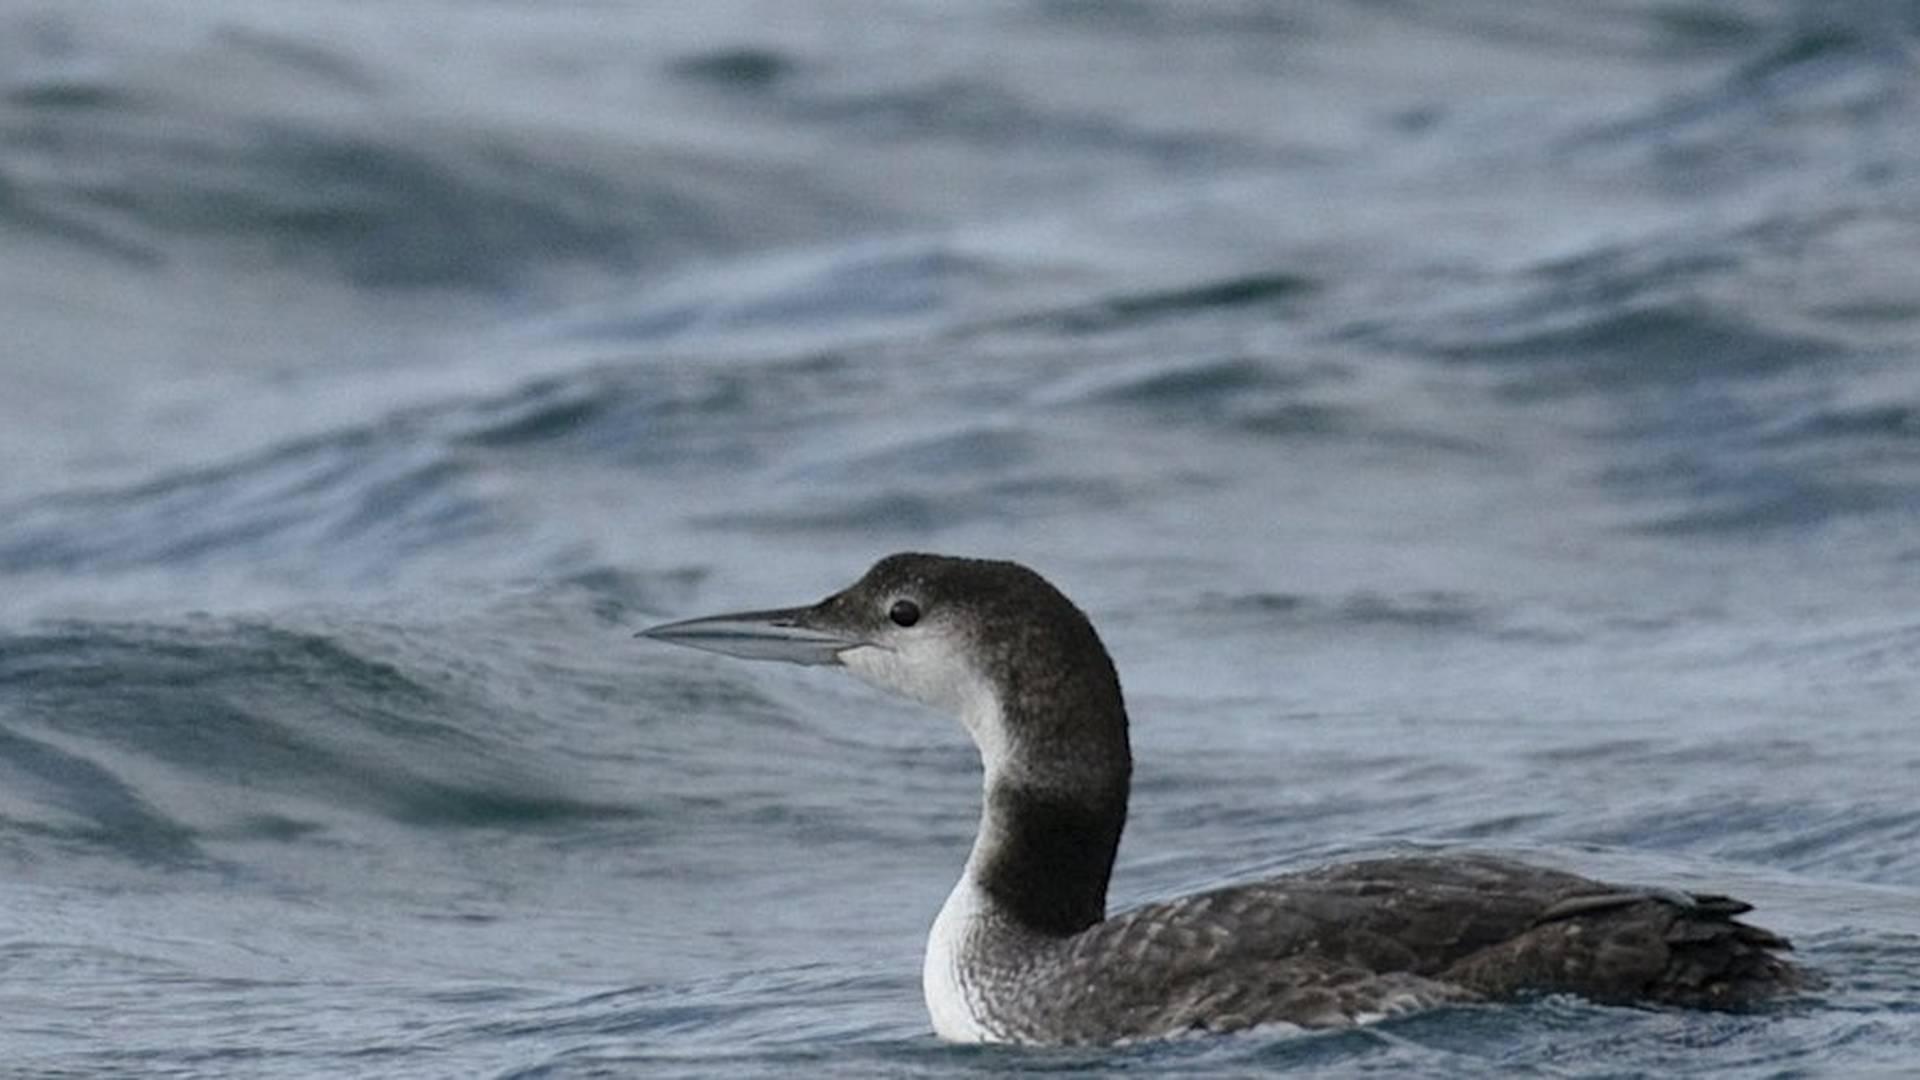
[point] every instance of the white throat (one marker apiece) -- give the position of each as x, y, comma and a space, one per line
934, 672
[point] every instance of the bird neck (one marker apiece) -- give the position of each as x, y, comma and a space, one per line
1050, 823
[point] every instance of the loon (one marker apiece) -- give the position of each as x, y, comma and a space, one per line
1023, 950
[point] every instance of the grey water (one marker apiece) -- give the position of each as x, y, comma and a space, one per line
1472, 425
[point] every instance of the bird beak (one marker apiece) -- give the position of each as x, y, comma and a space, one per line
782, 634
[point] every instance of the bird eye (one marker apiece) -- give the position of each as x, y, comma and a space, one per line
904, 613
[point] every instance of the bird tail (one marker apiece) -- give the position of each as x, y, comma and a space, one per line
1715, 961
1642, 946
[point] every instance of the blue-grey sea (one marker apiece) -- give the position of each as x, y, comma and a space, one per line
1471, 423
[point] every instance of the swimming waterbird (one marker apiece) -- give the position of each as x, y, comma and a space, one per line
1024, 950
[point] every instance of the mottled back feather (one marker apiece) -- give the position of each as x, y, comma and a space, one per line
1354, 942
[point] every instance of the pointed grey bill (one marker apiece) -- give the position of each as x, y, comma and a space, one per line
756, 635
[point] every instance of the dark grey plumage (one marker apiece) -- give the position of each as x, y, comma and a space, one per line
1024, 952
1352, 942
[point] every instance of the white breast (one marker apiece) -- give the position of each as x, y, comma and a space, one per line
951, 1003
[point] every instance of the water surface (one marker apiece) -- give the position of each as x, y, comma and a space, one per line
1469, 426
